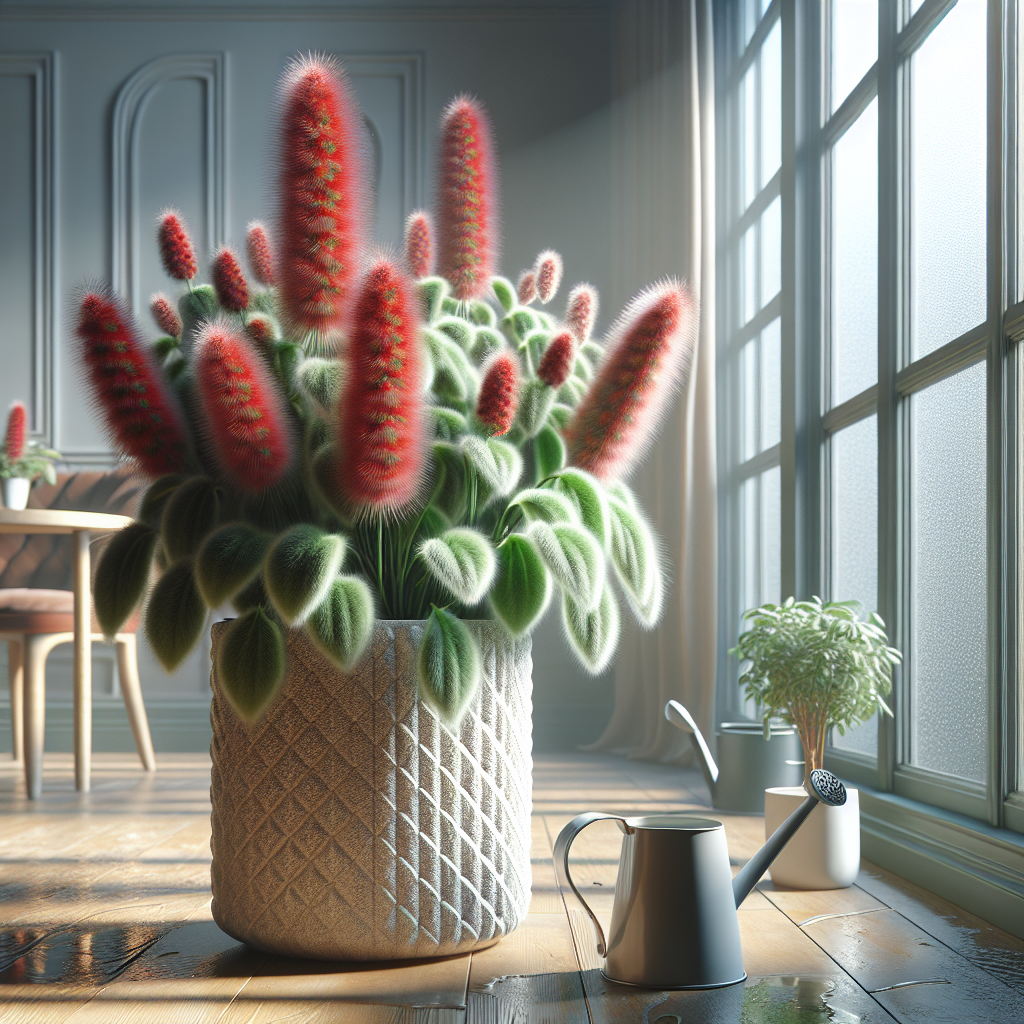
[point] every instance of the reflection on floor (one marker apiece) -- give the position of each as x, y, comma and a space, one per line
104, 916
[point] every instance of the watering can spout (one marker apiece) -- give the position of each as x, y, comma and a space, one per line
682, 719
826, 789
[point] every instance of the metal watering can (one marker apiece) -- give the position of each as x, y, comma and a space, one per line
674, 921
750, 763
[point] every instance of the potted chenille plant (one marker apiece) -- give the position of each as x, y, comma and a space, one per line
383, 470
818, 667
22, 462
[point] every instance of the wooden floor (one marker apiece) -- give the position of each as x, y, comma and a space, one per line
105, 917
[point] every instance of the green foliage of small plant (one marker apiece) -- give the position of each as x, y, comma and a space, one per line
817, 666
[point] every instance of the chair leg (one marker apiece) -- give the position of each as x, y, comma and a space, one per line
36, 650
131, 690
16, 675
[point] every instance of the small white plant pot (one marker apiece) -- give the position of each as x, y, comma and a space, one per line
15, 491
825, 852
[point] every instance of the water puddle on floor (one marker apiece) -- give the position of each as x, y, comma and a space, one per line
786, 1000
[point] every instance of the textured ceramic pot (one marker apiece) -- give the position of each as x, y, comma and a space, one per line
349, 824
825, 853
15, 492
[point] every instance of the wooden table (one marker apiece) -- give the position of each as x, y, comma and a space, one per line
81, 526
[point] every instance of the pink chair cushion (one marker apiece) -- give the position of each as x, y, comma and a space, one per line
31, 610
28, 599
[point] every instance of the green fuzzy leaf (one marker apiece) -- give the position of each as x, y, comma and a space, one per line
575, 559
548, 453
583, 369
157, 496
462, 561
498, 463
593, 635
449, 666
454, 377
122, 575
634, 555
49, 473
542, 505
593, 352
300, 568
481, 314
262, 302
228, 560
430, 523
559, 415
450, 306
252, 595
486, 342
251, 663
320, 381
175, 615
163, 347
546, 321
590, 500
458, 330
448, 424
196, 307
535, 402
451, 492
432, 292
505, 292
289, 357
621, 492
518, 324
522, 586
571, 392
342, 624
533, 347
191, 512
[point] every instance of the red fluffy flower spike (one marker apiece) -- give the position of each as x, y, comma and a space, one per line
165, 315
245, 416
468, 218
557, 361
650, 350
142, 418
499, 394
321, 201
581, 311
15, 440
526, 289
419, 244
176, 247
381, 411
548, 272
261, 257
232, 291
260, 330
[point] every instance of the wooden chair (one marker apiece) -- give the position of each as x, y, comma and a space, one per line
36, 604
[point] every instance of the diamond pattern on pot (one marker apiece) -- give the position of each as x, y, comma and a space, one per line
350, 824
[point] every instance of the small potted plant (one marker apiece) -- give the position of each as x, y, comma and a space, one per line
22, 462
818, 667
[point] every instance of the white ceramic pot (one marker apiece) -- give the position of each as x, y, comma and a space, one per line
349, 824
15, 491
825, 852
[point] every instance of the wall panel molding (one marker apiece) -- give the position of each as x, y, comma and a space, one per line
41, 70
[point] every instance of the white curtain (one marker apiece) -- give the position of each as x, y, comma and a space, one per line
664, 178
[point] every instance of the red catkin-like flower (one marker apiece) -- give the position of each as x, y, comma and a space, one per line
499, 394
548, 272
468, 211
650, 350
557, 361
381, 411
142, 418
176, 251
165, 315
261, 256
15, 440
526, 289
245, 417
581, 311
229, 282
419, 244
321, 198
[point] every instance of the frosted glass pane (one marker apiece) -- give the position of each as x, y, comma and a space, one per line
751, 554
749, 389
749, 121
854, 538
771, 104
854, 44
771, 535
748, 254
771, 251
771, 384
949, 576
855, 258
948, 179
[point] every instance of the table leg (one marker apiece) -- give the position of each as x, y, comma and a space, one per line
83, 662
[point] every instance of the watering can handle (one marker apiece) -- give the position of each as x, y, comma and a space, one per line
561, 857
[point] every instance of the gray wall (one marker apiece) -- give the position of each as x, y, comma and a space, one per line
108, 114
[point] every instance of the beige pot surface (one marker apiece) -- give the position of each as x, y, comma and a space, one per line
349, 824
